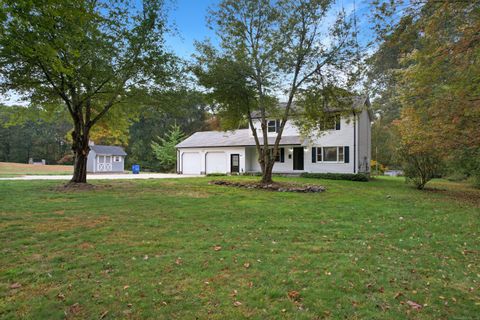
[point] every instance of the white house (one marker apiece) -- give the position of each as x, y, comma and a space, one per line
343, 147
105, 159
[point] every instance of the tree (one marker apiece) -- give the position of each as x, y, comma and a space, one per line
182, 107
90, 55
165, 151
433, 52
267, 48
421, 161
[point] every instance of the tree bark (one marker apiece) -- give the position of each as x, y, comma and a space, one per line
267, 173
80, 150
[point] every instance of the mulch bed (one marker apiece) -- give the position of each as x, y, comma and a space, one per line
280, 187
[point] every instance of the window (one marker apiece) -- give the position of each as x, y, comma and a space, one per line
340, 154
330, 154
319, 154
273, 125
280, 156
117, 159
331, 122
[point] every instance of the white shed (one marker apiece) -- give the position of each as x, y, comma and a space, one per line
106, 159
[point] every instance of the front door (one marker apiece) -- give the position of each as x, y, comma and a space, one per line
298, 158
235, 163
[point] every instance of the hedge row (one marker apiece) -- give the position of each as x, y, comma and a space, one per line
337, 176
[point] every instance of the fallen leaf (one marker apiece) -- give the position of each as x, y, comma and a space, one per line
61, 296
126, 287
414, 305
15, 285
246, 265
104, 314
75, 308
294, 295
178, 261
217, 248
237, 303
397, 295
234, 293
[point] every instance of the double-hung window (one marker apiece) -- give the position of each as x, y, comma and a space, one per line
273, 125
330, 154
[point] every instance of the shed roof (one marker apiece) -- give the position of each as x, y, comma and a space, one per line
235, 138
108, 150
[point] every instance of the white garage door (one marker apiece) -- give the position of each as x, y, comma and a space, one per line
216, 162
191, 163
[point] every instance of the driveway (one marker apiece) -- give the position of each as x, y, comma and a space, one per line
110, 176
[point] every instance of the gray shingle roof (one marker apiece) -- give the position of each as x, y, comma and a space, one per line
108, 150
358, 104
235, 138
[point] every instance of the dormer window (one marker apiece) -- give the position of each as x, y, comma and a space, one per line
273, 125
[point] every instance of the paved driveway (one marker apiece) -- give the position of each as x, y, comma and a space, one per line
110, 176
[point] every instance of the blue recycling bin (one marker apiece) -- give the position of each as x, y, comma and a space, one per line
136, 169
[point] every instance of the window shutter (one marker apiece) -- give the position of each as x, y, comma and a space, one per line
277, 125
282, 154
346, 154
314, 155
337, 123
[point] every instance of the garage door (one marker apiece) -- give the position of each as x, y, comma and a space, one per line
216, 162
191, 163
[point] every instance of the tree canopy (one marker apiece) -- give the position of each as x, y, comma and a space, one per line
88, 55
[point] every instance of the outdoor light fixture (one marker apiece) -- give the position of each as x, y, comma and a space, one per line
290, 149
305, 149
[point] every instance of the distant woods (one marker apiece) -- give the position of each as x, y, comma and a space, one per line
28, 133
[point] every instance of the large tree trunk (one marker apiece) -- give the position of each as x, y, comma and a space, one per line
267, 173
80, 150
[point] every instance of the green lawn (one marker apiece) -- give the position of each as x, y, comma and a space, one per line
147, 250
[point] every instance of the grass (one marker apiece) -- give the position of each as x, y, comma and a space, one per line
183, 249
10, 169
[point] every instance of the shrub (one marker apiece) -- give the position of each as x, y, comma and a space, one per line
337, 176
419, 168
216, 174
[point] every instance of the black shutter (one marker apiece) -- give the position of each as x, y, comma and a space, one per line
346, 154
277, 125
282, 154
337, 123
314, 155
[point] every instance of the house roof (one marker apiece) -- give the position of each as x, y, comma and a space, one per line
359, 103
235, 138
108, 150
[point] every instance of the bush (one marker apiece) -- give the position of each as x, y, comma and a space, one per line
419, 168
216, 174
337, 176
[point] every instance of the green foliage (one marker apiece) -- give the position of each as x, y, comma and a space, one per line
420, 167
185, 108
216, 174
28, 132
337, 176
86, 56
428, 61
268, 47
165, 151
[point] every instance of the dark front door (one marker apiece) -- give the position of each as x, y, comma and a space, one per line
235, 163
298, 158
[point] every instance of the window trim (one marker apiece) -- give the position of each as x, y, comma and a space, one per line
117, 159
